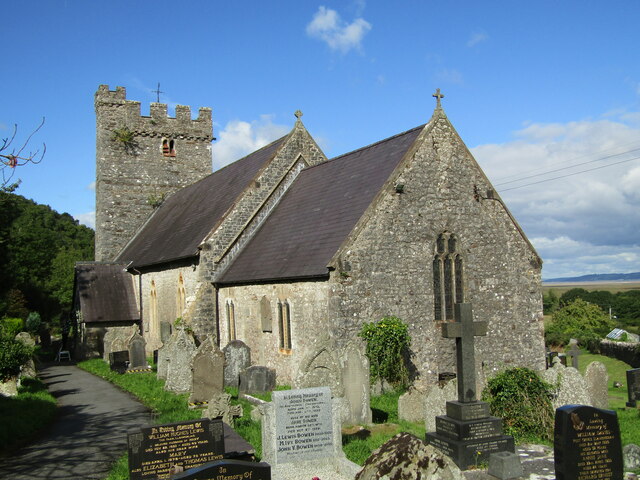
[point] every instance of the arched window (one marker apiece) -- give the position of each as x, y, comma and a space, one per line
231, 320
448, 287
154, 324
180, 297
168, 147
284, 326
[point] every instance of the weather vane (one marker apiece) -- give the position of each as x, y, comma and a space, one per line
157, 91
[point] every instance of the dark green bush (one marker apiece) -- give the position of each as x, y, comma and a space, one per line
581, 320
523, 401
13, 354
387, 342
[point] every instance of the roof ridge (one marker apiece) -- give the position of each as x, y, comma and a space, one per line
370, 145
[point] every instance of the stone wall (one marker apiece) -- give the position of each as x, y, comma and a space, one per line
308, 307
131, 176
624, 351
386, 267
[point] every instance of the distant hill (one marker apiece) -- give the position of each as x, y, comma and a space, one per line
602, 277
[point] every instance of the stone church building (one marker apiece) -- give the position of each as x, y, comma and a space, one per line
285, 248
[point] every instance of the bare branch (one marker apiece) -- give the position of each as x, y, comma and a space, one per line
15, 158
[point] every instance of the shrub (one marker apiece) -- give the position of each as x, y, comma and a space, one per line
523, 401
11, 326
33, 323
13, 354
387, 343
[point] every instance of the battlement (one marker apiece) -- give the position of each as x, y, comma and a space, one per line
113, 108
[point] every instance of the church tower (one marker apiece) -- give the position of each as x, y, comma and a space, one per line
140, 160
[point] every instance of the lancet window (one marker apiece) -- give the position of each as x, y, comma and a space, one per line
448, 276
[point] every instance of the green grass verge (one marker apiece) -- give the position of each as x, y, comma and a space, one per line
167, 407
23, 416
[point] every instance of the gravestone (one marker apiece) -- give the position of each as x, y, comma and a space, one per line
237, 357
574, 352
119, 361
633, 387
587, 444
165, 332
467, 433
137, 354
179, 375
321, 368
154, 451
116, 339
357, 388
570, 388
435, 401
301, 436
219, 406
227, 470
411, 405
257, 379
207, 371
164, 356
597, 379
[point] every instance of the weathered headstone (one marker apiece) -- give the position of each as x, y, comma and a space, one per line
633, 387
207, 370
467, 433
179, 373
631, 456
321, 368
164, 356
597, 380
257, 379
116, 339
411, 405
570, 387
153, 451
119, 361
227, 470
355, 378
237, 357
587, 444
219, 406
26, 339
435, 401
137, 354
406, 456
165, 332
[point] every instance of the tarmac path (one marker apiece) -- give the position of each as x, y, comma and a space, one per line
89, 434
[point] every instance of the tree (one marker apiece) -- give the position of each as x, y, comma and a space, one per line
581, 320
12, 156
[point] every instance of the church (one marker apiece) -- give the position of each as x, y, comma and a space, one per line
285, 248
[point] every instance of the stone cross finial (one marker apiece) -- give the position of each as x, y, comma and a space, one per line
438, 97
157, 91
463, 330
298, 114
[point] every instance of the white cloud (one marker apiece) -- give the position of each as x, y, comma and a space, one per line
580, 222
91, 186
239, 138
477, 38
327, 26
88, 219
449, 75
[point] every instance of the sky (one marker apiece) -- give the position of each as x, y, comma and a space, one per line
545, 94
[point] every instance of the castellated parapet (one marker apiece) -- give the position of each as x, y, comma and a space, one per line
140, 160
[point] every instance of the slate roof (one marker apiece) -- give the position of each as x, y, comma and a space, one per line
317, 214
185, 218
106, 293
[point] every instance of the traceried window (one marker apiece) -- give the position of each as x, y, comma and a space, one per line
448, 288
284, 326
231, 320
168, 147
154, 325
180, 297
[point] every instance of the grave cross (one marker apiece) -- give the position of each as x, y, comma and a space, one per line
463, 330
298, 114
438, 97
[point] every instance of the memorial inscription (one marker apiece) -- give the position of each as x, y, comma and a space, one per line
304, 427
587, 444
227, 470
155, 450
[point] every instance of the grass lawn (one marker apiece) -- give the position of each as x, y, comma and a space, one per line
22, 416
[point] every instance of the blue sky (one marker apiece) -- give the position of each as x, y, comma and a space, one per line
532, 88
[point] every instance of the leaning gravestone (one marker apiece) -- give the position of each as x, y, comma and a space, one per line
570, 388
467, 433
207, 370
164, 356
633, 387
179, 375
154, 452
355, 378
597, 380
227, 470
301, 435
237, 357
257, 379
137, 354
587, 444
321, 368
